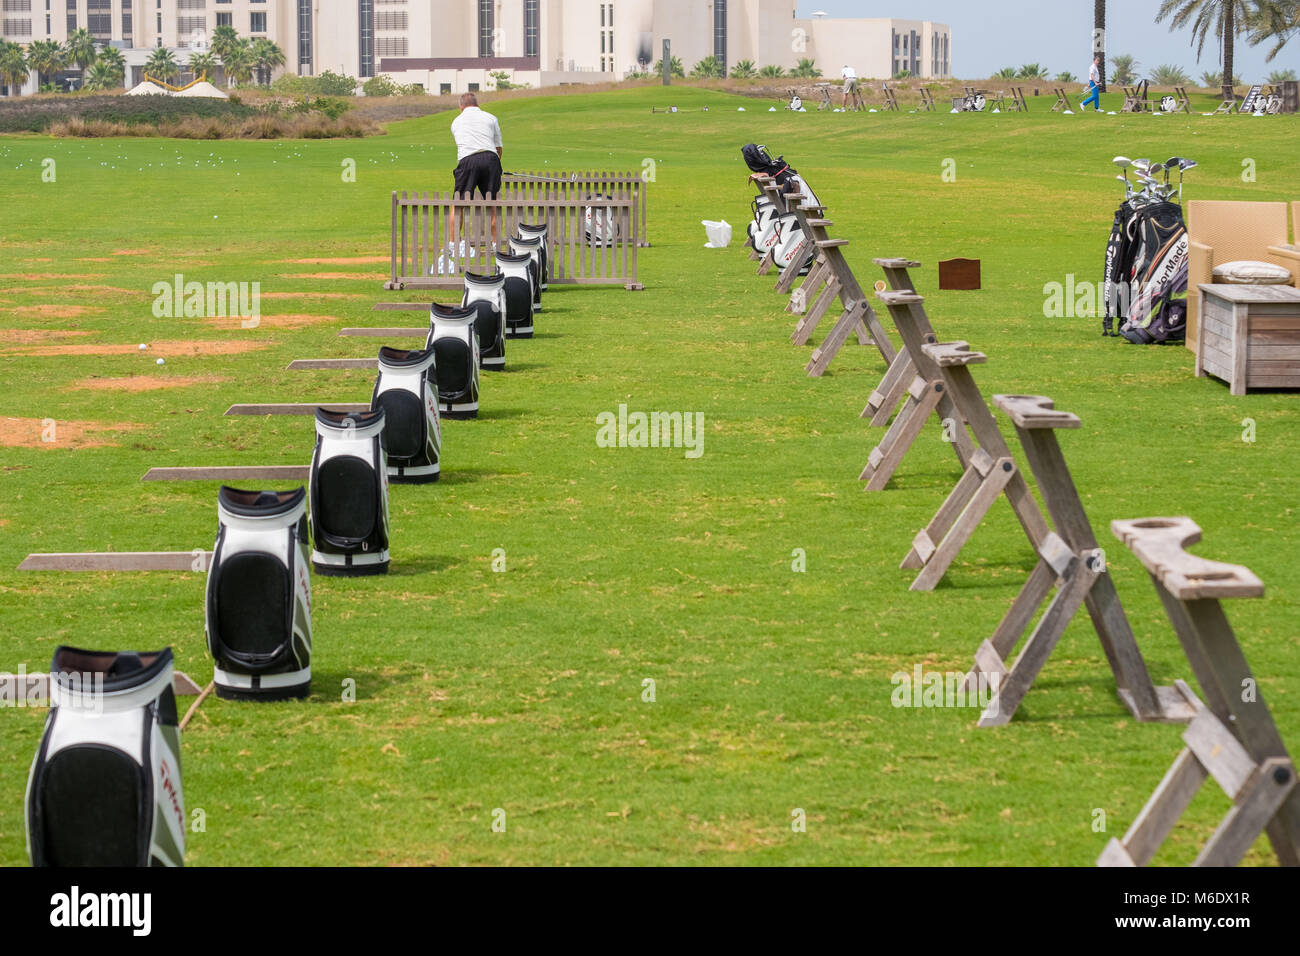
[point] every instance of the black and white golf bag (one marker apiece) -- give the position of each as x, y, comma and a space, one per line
764, 223
452, 339
519, 294
349, 494
1120, 251
602, 226
533, 249
1158, 273
105, 787
407, 391
486, 296
257, 605
538, 231
793, 247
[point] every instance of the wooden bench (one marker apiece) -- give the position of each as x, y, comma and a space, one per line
1070, 561
1232, 737
1249, 336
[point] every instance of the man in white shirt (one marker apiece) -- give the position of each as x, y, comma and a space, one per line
850, 88
1094, 86
478, 155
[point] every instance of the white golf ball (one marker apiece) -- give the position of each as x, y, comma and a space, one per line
143, 346
160, 362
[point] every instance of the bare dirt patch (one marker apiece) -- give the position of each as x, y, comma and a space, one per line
366, 276
44, 276
155, 349
314, 295
341, 261
36, 432
96, 259
132, 252
145, 383
292, 321
36, 336
55, 311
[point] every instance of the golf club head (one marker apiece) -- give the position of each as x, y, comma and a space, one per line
1123, 162
1155, 168
1186, 164
1141, 163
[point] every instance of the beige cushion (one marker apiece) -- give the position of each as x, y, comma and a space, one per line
1250, 272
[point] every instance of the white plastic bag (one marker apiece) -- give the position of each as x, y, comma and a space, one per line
719, 233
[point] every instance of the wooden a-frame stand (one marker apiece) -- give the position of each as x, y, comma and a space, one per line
1232, 738
912, 379
990, 472
1071, 562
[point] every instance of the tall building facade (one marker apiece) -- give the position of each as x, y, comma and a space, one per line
451, 46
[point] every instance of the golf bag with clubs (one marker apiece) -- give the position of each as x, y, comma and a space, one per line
519, 294
486, 296
349, 494
452, 338
775, 230
531, 247
257, 604
602, 226
538, 231
1146, 266
105, 787
407, 390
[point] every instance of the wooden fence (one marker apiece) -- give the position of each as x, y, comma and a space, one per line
421, 238
550, 184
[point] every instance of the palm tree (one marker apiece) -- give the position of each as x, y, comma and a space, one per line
806, 70
1032, 71
772, 72
1276, 78
1066, 77
266, 57
238, 62
13, 66
1006, 73
80, 49
223, 38
161, 65
1099, 37
674, 65
1274, 20
1226, 18
203, 64
707, 68
115, 64
1125, 69
46, 58
744, 70
100, 76
1169, 75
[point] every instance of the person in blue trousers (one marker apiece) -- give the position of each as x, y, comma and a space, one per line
1094, 90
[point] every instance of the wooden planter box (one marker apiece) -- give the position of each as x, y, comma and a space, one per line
1250, 336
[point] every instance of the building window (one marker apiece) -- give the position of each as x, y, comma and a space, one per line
304, 37
444, 89
225, 19
486, 29
72, 22
257, 23
127, 25
720, 33
531, 28
366, 33
473, 87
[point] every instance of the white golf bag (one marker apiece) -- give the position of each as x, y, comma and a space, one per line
533, 249
601, 224
407, 391
349, 494
452, 338
257, 604
519, 294
793, 248
531, 231
105, 787
760, 229
486, 296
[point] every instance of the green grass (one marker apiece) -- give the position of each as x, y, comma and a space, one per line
522, 690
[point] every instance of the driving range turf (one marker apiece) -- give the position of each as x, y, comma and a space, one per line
523, 691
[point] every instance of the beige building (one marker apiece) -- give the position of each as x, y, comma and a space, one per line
451, 46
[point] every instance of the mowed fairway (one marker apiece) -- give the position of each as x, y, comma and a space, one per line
523, 690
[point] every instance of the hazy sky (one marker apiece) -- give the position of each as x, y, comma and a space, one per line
989, 35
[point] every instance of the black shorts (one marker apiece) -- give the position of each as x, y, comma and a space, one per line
481, 171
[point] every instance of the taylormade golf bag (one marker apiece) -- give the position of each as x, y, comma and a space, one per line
763, 224
452, 339
538, 231
349, 494
519, 294
602, 225
105, 787
486, 296
531, 248
257, 605
407, 391
1158, 272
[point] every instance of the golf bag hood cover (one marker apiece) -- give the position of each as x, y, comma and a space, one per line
257, 604
486, 296
105, 787
531, 247
759, 160
349, 494
452, 338
538, 231
519, 294
407, 390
